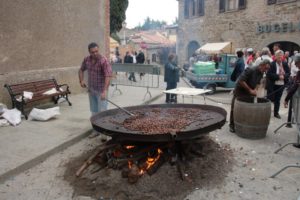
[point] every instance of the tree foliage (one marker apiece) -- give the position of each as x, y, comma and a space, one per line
117, 14
150, 24
115, 37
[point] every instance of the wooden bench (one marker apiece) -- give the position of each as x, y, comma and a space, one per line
16, 92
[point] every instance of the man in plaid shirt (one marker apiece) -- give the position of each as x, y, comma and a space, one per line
99, 74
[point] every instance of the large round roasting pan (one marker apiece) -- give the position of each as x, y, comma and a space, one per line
104, 122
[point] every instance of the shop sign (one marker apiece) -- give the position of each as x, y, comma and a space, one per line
284, 27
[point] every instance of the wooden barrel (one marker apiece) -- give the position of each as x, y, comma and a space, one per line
251, 119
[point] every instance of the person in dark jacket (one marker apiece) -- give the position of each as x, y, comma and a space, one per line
277, 79
140, 59
296, 82
246, 85
129, 59
239, 66
171, 77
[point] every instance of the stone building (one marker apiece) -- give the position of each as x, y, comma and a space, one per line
171, 32
44, 39
245, 23
151, 42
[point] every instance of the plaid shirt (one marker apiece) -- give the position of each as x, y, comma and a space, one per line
96, 73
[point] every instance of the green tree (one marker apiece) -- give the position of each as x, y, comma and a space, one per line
117, 14
116, 37
150, 24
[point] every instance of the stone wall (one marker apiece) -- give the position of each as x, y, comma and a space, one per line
44, 39
237, 26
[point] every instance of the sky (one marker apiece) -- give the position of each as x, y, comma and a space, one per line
139, 10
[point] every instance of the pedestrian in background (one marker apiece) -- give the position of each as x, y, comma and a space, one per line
293, 86
171, 77
287, 58
296, 82
265, 54
239, 66
277, 47
129, 60
277, 79
140, 59
250, 58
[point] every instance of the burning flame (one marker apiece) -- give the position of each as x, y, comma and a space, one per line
151, 161
129, 147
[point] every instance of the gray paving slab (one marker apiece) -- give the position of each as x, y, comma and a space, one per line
255, 159
31, 142
249, 178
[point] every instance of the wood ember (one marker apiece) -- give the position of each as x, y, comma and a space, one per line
133, 174
207, 171
134, 160
162, 121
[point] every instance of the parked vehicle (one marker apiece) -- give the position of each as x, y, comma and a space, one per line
209, 78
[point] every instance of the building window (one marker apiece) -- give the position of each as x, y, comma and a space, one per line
193, 7
279, 1
201, 7
186, 8
231, 5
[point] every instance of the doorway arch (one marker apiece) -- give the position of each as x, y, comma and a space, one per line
285, 46
192, 47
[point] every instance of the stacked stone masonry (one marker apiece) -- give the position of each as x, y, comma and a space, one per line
238, 26
44, 39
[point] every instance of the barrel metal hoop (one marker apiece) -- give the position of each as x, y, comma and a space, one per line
249, 126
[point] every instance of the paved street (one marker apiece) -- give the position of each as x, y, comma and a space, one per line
167, 148
249, 178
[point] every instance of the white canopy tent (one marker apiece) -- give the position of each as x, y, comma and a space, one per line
215, 48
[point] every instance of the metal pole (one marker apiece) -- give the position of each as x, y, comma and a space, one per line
124, 37
289, 166
126, 111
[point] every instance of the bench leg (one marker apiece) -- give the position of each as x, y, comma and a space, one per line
20, 107
67, 98
23, 112
55, 99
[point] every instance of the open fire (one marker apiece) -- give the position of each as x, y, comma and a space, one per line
150, 161
205, 168
139, 159
157, 134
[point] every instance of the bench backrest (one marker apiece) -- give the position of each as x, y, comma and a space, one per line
37, 87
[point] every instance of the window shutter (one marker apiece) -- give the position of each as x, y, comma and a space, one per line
201, 7
242, 4
193, 7
222, 6
186, 8
271, 2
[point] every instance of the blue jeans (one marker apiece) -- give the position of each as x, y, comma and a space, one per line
171, 97
97, 104
132, 76
279, 90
